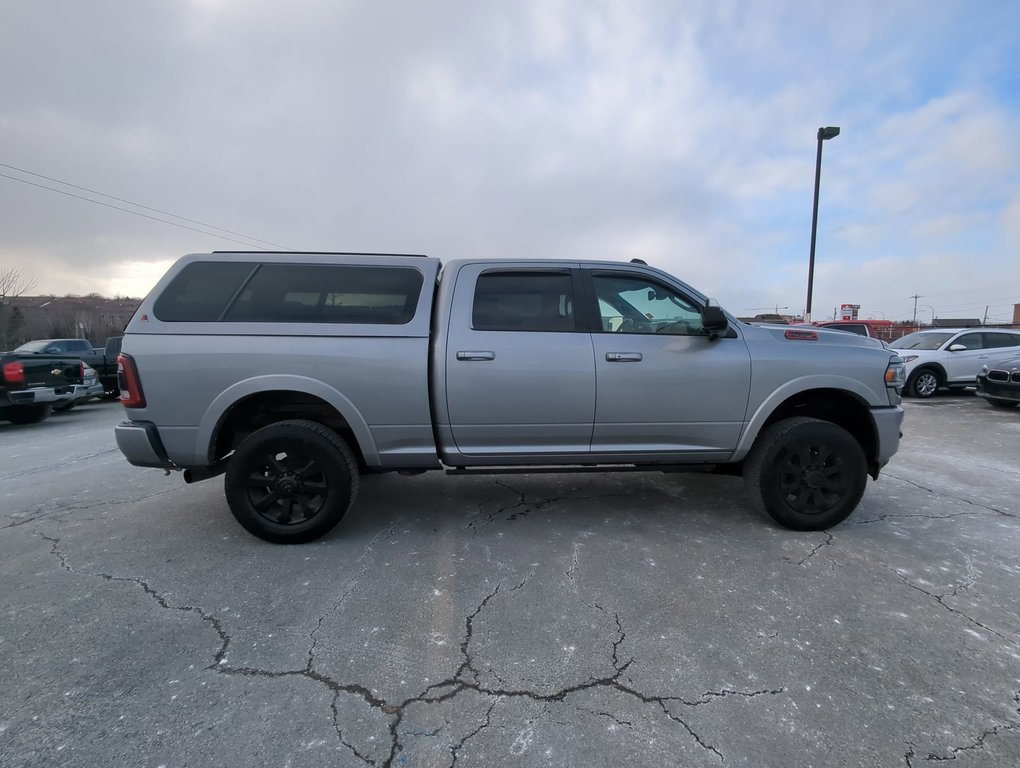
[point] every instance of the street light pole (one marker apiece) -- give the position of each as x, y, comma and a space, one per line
824, 134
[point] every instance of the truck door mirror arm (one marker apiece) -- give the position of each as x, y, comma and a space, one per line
713, 319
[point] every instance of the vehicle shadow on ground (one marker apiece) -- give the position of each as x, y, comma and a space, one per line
579, 501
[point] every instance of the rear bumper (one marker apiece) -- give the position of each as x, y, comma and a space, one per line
888, 423
139, 442
41, 395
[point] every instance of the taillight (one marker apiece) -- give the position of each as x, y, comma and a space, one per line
130, 386
14, 373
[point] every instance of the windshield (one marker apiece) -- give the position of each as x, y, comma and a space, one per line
922, 340
32, 346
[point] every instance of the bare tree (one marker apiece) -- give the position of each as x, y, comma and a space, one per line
14, 282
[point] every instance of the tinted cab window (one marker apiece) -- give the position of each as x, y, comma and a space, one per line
523, 301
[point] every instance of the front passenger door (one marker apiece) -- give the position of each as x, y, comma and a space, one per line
663, 385
963, 365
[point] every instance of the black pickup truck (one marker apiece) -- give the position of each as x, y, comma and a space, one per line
31, 385
103, 359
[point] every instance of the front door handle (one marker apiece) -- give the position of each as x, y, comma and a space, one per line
476, 355
623, 357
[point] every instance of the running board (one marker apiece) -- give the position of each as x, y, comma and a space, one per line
580, 469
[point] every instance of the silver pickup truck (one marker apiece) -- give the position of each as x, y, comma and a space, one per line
294, 373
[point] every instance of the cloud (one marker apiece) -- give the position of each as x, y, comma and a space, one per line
679, 134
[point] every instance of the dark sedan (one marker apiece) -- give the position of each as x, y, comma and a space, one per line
999, 383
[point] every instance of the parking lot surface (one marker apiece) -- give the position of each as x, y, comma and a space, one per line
527, 620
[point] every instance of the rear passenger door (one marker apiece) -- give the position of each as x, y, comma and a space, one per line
520, 371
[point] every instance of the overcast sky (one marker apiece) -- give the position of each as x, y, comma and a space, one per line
682, 133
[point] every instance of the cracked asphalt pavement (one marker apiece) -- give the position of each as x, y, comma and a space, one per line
527, 620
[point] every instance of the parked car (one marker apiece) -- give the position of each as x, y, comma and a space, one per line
873, 329
999, 383
293, 373
950, 357
103, 359
30, 386
91, 388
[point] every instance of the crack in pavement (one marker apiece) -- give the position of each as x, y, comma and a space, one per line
697, 738
58, 511
352, 584
939, 598
944, 495
826, 543
63, 464
977, 743
456, 748
523, 504
160, 600
894, 516
465, 678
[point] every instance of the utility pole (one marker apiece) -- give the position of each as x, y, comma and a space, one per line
984, 320
915, 297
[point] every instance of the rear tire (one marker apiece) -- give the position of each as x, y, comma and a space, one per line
924, 383
806, 474
64, 406
30, 414
291, 482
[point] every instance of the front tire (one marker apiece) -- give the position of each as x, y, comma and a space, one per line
806, 474
291, 482
923, 383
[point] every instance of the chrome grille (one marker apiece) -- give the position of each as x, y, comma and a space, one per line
1015, 377
998, 376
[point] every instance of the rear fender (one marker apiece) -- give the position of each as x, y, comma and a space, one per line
205, 438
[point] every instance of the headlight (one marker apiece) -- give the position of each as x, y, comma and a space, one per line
909, 358
896, 373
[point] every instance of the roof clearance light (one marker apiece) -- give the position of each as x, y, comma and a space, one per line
801, 335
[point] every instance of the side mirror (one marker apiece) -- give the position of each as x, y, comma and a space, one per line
713, 318
957, 348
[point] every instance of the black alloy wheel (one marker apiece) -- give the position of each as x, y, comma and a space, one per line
806, 474
291, 482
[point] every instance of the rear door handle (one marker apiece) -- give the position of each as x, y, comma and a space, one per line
465, 355
623, 357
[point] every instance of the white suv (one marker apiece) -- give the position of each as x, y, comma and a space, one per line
950, 357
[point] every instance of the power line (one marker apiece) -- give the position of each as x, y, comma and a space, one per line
137, 205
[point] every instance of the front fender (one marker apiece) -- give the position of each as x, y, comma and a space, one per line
204, 439
768, 406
